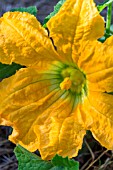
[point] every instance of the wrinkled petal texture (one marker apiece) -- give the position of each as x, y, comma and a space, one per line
40, 113
23, 98
63, 136
100, 107
96, 61
23, 40
77, 21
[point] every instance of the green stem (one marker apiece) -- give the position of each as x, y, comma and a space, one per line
109, 17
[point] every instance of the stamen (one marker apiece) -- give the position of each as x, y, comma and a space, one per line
66, 84
73, 79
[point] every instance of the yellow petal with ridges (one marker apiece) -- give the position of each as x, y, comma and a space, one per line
77, 21
23, 97
103, 103
101, 81
23, 40
60, 133
96, 56
71, 142
100, 107
96, 62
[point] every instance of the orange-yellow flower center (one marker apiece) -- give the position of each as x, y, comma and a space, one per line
73, 79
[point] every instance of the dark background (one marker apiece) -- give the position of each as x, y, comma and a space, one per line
44, 6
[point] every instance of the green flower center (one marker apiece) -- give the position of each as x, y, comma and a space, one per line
73, 80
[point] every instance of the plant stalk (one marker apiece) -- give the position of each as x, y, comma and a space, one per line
109, 17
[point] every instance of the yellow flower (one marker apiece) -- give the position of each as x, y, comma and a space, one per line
66, 86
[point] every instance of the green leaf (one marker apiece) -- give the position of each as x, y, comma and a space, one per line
66, 162
104, 5
58, 168
32, 10
30, 161
8, 70
56, 9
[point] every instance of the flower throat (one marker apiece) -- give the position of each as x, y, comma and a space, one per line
73, 80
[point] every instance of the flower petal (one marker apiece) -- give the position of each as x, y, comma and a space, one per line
77, 21
23, 40
23, 97
96, 56
60, 133
100, 107
40, 113
101, 81
96, 62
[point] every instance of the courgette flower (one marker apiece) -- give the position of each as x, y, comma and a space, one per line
67, 84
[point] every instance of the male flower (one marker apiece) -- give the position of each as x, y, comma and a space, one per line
66, 86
